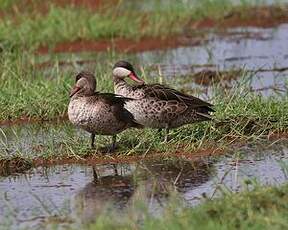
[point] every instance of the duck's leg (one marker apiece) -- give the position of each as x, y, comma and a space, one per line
166, 133
92, 140
113, 146
95, 176
115, 170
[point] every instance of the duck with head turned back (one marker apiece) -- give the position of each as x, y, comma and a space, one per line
156, 105
98, 113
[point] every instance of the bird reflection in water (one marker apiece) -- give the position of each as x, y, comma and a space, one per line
117, 186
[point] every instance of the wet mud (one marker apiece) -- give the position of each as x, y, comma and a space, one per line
262, 17
28, 120
14, 165
47, 144
120, 45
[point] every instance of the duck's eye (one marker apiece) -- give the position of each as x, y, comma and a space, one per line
85, 75
79, 76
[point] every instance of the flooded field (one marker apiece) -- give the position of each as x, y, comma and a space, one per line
29, 139
50, 175
253, 56
69, 193
261, 52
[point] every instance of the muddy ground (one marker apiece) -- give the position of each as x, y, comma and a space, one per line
263, 17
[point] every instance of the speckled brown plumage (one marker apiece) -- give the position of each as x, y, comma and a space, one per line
158, 106
98, 113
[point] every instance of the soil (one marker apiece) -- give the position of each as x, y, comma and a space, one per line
20, 165
264, 17
14, 165
256, 16
111, 159
120, 44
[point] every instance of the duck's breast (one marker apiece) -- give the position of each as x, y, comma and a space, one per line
94, 116
127, 91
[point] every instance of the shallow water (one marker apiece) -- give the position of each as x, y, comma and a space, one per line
152, 5
30, 139
261, 52
264, 52
72, 192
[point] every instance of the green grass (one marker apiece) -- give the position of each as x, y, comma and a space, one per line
26, 92
29, 31
29, 92
36, 93
263, 208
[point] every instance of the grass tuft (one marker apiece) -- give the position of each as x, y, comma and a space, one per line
263, 208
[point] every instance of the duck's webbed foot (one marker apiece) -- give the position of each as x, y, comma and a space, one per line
95, 175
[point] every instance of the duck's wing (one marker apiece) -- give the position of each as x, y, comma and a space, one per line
116, 103
165, 93
113, 99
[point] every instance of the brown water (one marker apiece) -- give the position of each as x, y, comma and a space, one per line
73, 193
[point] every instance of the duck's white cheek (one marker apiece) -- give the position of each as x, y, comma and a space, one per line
121, 72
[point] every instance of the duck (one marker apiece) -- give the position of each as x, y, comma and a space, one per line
156, 105
98, 113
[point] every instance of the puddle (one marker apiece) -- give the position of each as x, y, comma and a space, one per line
252, 48
31, 139
73, 192
263, 52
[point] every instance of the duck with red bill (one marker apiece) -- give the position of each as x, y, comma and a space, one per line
158, 106
133, 76
124, 69
74, 90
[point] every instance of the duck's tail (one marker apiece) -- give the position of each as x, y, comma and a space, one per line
204, 113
